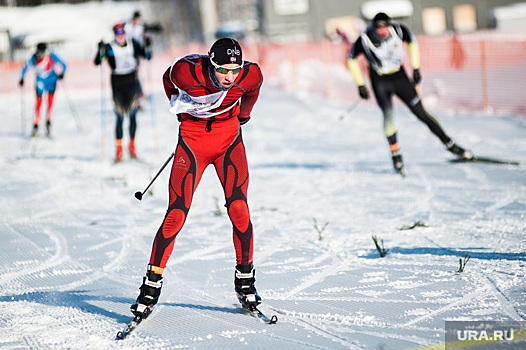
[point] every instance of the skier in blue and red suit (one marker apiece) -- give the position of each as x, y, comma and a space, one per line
43, 62
212, 95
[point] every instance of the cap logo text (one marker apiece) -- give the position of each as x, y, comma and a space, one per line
233, 52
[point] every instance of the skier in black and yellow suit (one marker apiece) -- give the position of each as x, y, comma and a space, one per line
382, 45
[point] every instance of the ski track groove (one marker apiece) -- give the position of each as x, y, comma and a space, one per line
333, 268
507, 307
424, 199
59, 257
481, 290
324, 333
308, 321
477, 294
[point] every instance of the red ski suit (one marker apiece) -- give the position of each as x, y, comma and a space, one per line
213, 140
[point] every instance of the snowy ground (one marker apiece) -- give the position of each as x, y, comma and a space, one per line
75, 241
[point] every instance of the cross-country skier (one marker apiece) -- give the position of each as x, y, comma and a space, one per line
135, 28
139, 30
212, 95
44, 63
123, 56
382, 45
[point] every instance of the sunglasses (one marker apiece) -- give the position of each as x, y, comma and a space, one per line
224, 70
381, 23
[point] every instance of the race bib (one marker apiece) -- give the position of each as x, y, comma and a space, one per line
198, 106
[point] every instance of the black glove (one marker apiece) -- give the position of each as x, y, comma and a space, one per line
154, 28
61, 76
243, 121
416, 76
21, 82
101, 44
147, 41
362, 90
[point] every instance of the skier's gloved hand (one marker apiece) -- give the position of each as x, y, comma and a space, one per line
243, 121
21, 82
147, 41
417, 78
362, 90
102, 49
61, 76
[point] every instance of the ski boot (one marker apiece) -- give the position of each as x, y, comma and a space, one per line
48, 128
244, 286
398, 163
35, 130
118, 155
150, 291
459, 151
131, 149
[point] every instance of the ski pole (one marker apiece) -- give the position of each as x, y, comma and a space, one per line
139, 194
22, 111
71, 106
102, 107
152, 107
350, 110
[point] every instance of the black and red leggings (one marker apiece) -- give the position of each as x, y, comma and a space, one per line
196, 149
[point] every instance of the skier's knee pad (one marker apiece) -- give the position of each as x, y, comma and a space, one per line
239, 215
173, 222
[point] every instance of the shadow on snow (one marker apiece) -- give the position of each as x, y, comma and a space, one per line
74, 299
475, 253
82, 300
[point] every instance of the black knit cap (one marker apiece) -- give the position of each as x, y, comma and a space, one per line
381, 19
41, 47
226, 50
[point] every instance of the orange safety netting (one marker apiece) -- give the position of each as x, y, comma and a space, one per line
482, 71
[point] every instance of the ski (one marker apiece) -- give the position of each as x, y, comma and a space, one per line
255, 312
477, 159
130, 327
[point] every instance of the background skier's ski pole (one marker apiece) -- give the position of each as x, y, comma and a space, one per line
350, 110
139, 194
102, 107
71, 106
22, 111
152, 107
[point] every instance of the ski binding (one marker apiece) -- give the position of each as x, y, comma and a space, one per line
255, 312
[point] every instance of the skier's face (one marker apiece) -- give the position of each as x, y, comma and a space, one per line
120, 38
227, 74
382, 31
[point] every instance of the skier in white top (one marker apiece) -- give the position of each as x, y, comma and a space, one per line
123, 56
382, 45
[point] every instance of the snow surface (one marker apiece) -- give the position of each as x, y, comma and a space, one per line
75, 241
